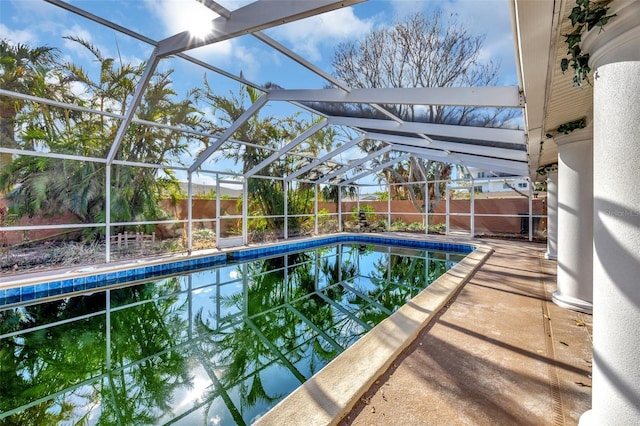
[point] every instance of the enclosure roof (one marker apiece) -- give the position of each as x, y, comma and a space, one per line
501, 150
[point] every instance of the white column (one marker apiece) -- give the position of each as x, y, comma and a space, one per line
575, 220
552, 215
615, 59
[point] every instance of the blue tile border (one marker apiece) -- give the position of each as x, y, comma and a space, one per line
30, 292
244, 254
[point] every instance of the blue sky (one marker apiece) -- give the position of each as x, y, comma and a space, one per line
38, 23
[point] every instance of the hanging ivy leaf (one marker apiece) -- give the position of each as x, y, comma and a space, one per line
569, 127
585, 14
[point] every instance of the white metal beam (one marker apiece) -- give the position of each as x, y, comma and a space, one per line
326, 157
230, 131
216, 7
434, 130
297, 141
133, 105
488, 167
302, 61
253, 17
495, 96
433, 154
354, 163
496, 165
487, 151
376, 169
223, 11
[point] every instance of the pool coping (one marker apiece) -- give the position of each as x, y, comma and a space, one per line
330, 394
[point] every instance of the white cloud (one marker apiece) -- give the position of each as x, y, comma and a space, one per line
203, 179
309, 35
20, 19
220, 51
178, 16
16, 36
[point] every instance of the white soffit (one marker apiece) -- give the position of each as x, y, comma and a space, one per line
565, 102
534, 22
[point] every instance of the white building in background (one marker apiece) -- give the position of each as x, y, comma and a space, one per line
227, 190
485, 181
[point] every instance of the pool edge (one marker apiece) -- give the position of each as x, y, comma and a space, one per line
329, 395
76, 280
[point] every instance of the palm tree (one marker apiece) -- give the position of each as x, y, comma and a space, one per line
22, 69
267, 196
49, 186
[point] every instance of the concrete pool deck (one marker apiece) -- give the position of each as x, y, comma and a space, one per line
496, 351
500, 353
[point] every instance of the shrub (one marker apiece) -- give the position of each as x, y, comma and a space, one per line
398, 225
416, 226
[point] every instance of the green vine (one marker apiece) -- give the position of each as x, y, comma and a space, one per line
585, 15
549, 168
570, 126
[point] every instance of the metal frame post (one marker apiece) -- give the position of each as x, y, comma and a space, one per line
189, 211
339, 208
285, 190
315, 187
218, 226
447, 223
388, 206
530, 210
425, 199
245, 211
472, 210
107, 209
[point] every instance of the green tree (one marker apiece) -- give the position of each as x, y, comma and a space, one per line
267, 195
42, 185
22, 69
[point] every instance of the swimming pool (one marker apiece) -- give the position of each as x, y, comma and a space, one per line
222, 344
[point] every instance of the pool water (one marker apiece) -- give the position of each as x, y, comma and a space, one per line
216, 346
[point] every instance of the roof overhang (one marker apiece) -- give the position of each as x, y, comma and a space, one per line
550, 97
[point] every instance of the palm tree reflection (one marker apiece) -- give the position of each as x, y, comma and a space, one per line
184, 348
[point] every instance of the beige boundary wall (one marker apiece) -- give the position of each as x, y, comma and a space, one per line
400, 210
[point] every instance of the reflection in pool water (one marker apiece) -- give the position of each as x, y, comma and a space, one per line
220, 346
